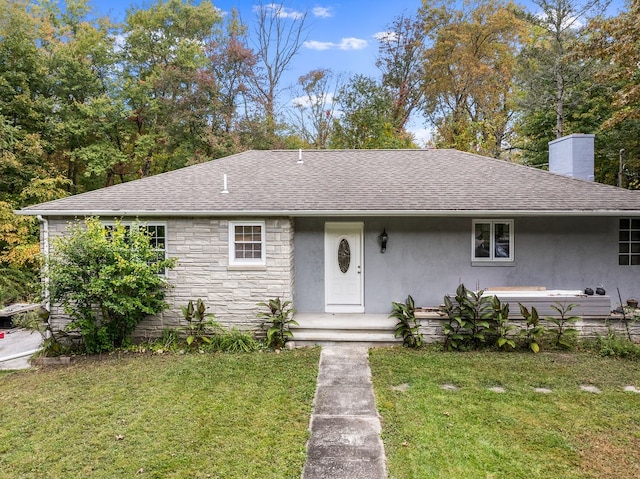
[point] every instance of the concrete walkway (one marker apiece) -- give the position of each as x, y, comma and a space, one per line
17, 346
345, 427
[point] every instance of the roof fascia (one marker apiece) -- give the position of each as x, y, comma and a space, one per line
333, 213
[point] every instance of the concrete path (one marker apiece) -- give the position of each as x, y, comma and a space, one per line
17, 346
345, 427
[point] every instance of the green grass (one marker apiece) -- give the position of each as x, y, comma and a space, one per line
473, 432
191, 416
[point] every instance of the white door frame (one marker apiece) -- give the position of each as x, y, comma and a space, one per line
350, 297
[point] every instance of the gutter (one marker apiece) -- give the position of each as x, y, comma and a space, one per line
322, 213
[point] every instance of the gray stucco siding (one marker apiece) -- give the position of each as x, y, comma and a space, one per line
429, 257
201, 247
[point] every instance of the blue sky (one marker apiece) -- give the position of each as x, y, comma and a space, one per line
341, 34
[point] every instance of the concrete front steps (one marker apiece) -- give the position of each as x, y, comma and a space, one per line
326, 329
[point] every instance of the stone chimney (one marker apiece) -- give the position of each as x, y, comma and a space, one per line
573, 156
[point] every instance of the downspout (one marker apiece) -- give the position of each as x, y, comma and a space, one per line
44, 224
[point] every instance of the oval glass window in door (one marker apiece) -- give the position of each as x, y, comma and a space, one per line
344, 255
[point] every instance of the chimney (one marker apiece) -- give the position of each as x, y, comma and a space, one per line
573, 156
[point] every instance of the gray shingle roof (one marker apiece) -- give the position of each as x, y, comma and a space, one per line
351, 182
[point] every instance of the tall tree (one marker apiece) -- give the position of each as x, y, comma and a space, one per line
366, 117
400, 53
173, 96
279, 35
615, 43
555, 77
314, 108
469, 68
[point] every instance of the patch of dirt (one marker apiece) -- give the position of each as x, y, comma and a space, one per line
604, 458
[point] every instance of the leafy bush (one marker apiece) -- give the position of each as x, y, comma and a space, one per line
533, 330
278, 322
563, 335
200, 324
504, 330
618, 347
16, 285
470, 315
107, 281
407, 327
236, 341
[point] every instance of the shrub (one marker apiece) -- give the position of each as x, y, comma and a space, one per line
278, 322
533, 330
107, 281
470, 315
407, 327
16, 285
200, 324
563, 336
618, 347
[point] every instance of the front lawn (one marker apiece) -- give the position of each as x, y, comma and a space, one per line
476, 432
192, 416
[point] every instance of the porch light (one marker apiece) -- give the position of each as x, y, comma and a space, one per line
384, 237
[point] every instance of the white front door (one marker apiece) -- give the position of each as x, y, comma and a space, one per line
343, 268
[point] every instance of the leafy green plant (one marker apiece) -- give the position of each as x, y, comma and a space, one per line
107, 281
504, 330
615, 346
564, 336
278, 322
533, 331
200, 324
469, 319
408, 326
16, 285
236, 341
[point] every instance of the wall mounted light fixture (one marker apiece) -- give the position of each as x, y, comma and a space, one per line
384, 237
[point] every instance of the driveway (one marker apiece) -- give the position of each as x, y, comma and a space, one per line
17, 346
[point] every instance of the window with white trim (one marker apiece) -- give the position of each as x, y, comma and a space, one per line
247, 243
492, 240
157, 236
629, 242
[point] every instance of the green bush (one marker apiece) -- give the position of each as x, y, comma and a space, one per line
278, 321
107, 280
408, 326
617, 347
16, 285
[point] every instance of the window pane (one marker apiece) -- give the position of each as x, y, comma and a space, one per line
635, 248
482, 240
635, 259
635, 235
635, 223
624, 223
501, 240
623, 260
623, 236
624, 248
248, 242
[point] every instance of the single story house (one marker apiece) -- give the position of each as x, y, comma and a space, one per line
343, 233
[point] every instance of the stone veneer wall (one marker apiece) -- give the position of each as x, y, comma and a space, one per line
589, 328
203, 271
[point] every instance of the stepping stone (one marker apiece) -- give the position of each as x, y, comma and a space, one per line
401, 387
590, 389
497, 389
449, 387
631, 389
543, 390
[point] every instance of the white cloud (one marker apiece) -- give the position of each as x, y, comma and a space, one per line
322, 12
386, 37
306, 102
345, 44
279, 10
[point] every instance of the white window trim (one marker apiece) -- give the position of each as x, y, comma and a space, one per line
247, 262
145, 224
492, 258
